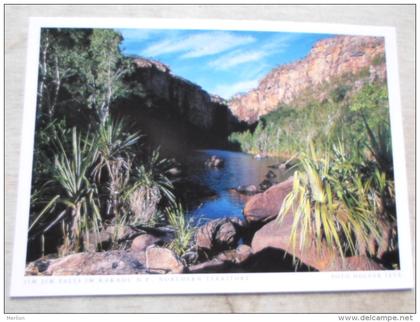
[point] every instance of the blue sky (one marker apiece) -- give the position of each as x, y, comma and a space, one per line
221, 62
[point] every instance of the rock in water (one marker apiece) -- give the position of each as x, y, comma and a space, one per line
260, 156
265, 184
175, 172
270, 175
163, 260
214, 162
217, 235
247, 189
265, 206
282, 167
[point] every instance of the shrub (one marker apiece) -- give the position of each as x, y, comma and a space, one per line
183, 229
337, 200
150, 185
81, 217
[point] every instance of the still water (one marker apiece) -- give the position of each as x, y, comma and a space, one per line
239, 169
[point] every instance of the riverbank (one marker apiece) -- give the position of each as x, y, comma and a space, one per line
257, 243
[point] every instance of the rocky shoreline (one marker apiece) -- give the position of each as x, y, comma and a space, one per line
228, 245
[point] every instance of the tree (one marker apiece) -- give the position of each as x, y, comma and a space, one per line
61, 54
103, 72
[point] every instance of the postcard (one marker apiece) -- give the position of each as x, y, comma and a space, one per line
168, 156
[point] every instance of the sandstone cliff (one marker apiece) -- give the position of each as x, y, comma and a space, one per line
185, 98
327, 60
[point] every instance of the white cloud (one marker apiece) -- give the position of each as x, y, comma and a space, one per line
198, 45
275, 45
228, 90
237, 58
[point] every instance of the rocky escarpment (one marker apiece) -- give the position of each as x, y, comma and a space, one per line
172, 109
327, 60
186, 98
173, 112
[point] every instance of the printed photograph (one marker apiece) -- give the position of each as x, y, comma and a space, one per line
165, 151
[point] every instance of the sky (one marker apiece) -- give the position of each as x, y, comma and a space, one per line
222, 62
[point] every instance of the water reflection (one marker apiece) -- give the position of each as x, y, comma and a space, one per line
239, 169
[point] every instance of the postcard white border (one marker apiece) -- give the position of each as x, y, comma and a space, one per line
25, 286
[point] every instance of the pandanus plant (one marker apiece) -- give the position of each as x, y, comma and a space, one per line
81, 215
115, 154
150, 185
334, 204
77, 197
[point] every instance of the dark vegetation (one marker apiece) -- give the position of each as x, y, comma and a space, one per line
343, 191
90, 170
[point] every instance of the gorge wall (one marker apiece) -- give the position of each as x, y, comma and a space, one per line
327, 60
173, 111
190, 100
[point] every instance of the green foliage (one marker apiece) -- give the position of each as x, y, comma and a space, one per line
337, 200
378, 59
364, 72
96, 175
79, 196
344, 190
339, 93
150, 185
290, 129
81, 70
115, 155
103, 71
184, 231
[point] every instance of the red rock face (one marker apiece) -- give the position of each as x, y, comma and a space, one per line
329, 58
277, 235
265, 206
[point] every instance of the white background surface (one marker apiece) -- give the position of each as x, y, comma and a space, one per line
402, 17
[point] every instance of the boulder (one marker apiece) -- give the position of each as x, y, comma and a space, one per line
214, 265
217, 235
265, 184
354, 263
265, 206
163, 260
101, 263
141, 242
282, 166
121, 233
237, 255
174, 172
214, 162
270, 175
277, 235
261, 155
234, 193
247, 189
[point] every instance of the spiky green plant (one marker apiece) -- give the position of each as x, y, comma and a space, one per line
114, 149
150, 185
81, 216
331, 204
184, 230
